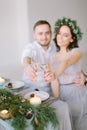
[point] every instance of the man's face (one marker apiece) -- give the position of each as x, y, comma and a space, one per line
42, 34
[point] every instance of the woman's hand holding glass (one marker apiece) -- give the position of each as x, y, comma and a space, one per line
48, 76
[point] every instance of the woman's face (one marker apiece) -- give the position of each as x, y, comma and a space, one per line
64, 36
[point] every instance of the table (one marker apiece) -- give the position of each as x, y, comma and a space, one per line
5, 124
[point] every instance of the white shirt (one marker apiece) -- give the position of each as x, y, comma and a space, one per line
42, 58
42, 55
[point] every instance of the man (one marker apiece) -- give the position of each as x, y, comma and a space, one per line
39, 51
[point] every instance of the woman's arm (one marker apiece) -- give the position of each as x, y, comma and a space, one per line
55, 88
75, 57
85, 76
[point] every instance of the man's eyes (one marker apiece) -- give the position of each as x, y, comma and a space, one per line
47, 33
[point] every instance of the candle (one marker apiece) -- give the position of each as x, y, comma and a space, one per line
35, 100
2, 81
4, 112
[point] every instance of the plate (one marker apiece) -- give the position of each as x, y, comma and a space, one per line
43, 95
15, 84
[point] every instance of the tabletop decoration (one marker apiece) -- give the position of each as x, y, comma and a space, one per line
5, 114
22, 110
9, 85
35, 100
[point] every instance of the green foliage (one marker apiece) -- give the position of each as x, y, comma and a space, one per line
19, 108
19, 122
72, 24
44, 114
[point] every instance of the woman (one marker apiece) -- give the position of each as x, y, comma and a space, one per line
66, 64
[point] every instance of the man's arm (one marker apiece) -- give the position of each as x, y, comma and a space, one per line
28, 69
81, 81
26, 61
85, 78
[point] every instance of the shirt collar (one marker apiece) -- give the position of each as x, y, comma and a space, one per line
39, 46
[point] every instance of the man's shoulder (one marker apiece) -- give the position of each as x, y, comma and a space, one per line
30, 45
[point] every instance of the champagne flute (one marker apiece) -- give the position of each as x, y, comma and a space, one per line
36, 65
34, 60
44, 66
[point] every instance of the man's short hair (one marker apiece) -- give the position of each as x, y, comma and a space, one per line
41, 22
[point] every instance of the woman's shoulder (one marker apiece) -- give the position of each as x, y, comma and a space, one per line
76, 50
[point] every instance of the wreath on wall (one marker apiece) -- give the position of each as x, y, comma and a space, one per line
19, 110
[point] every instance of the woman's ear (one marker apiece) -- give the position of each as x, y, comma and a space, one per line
72, 39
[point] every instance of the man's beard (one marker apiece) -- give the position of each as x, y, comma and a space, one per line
45, 45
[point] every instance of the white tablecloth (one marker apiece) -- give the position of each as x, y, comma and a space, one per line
5, 125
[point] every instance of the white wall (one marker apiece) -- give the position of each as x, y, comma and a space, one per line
14, 33
16, 21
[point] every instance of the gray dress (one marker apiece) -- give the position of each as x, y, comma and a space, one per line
74, 96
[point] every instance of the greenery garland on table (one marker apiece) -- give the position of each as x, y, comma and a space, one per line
21, 110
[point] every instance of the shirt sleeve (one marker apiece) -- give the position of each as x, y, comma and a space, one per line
27, 52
